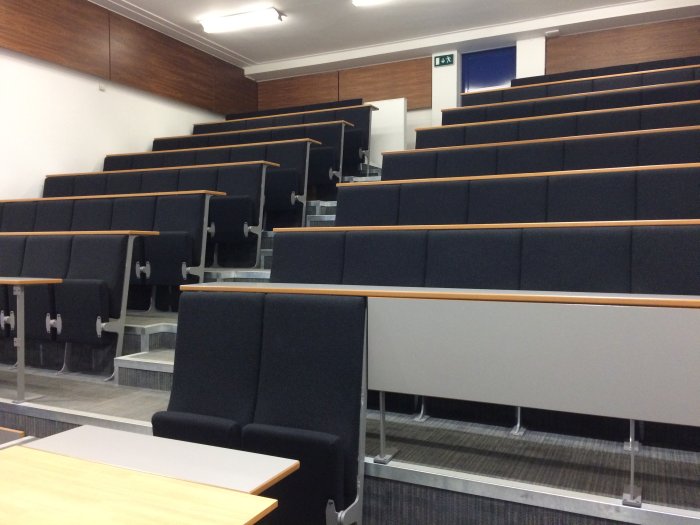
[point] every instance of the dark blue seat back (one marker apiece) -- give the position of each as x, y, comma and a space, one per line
367, 205
18, 216
304, 257
92, 214
53, 215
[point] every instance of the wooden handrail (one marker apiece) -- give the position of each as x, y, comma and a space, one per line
582, 79
241, 131
574, 95
311, 111
565, 115
453, 294
119, 196
562, 173
142, 233
496, 226
170, 168
290, 141
546, 140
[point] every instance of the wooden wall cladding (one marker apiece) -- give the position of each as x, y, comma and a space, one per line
82, 36
411, 79
298, 91
71, 33
625, 45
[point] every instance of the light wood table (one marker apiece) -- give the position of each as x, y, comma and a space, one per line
18, 284
51, 489
222, 467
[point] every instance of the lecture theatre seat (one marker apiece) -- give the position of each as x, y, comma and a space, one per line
658, 116
616, 98
269, 384
624, 149
648, 192
296, 109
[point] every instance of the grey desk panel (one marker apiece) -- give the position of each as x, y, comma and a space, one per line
628, 362
221, 467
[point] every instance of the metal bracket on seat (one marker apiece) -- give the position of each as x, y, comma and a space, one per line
335, 174
7, 320
99, 326
297, 198
257, 230
54, 323
211, 229
143, 270
185, 271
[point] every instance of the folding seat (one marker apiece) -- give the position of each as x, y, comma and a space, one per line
170, 159
615, 70
58, 187
309, 402
547, 128
488, 259
603, 152
628, 120
531, 158
510, 200
89, 184
53, 215
409, 165
487, 133
669, 148
613, 100
293, 159
289, 120
117, 162
175, 143
244, 154
576, 259
159, 180
440, 137
482, 97
44, 256
616, 82
315, 117
385, 258
592, 197
11, 257
362, 205
670, 117
665, 77
123, 183
510, 111
179, 219
566, 105
92, 215
463, 116
433, 203
308, 257
464, 162
665, 260
524, 93
257, 123
670, 93
18, 216
215, 376
668, 194
568, 88
197, 179
93, 288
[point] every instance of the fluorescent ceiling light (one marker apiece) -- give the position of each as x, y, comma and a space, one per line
368, 3
225, 24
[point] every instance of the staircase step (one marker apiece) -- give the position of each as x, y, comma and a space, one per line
320, 220
152, 369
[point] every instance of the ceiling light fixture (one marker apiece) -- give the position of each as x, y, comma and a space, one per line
368, 3
235, 22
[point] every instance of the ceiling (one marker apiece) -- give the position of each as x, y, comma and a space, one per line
325, 33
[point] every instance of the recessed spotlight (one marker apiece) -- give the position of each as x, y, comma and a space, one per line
238, 21
368, 3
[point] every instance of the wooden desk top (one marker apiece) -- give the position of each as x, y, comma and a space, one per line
28, 281
46, 488
221, 467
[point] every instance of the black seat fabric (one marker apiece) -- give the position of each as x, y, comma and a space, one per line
668, 194
576, 259
511, 200
592, 197
53, 216
302, 257
433, 203
217, 359
92, 215
11, 257
58, 187
18, 216
308, 404
359, 205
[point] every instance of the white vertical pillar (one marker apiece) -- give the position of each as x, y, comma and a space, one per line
446, 86
530, 57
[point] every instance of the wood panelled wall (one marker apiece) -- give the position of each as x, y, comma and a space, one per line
88, 38
625, 45
409, 78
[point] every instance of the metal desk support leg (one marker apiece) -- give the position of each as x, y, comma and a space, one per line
518, 429
632, 495
385, 454
18, 291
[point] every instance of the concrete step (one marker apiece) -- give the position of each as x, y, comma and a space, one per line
152, 369
320, 220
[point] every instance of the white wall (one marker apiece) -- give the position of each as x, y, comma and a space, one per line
418, 118
530, 57
388, 128
55, 120
446, 88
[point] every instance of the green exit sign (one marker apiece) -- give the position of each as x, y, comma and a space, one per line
444, 60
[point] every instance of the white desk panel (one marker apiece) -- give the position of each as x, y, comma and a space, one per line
619, 361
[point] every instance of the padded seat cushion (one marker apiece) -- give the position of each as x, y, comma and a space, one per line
197, 428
